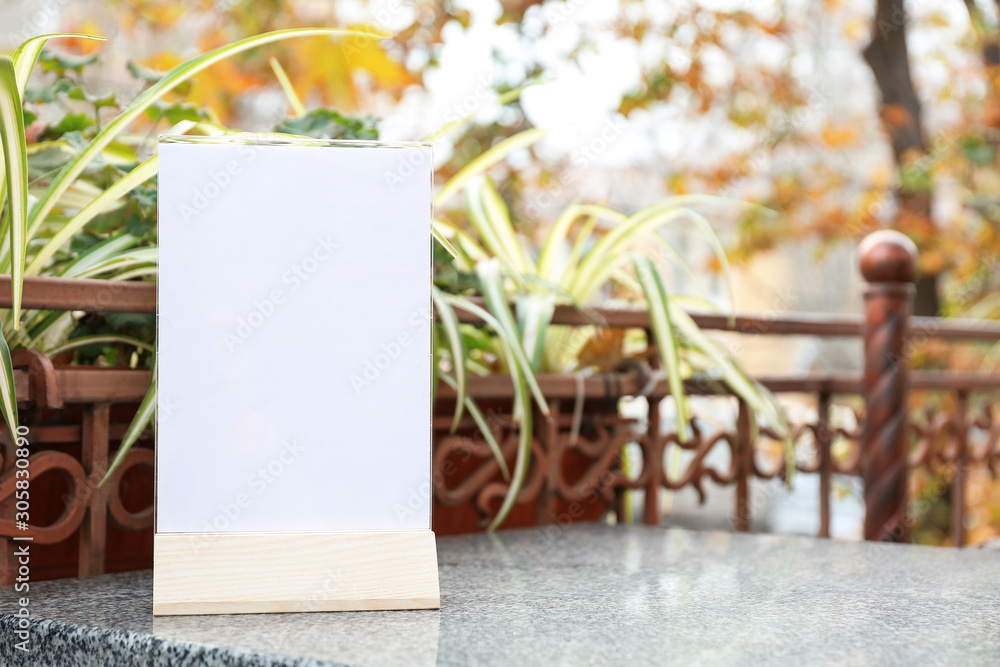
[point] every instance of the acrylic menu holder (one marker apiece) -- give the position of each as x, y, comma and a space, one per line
294, 376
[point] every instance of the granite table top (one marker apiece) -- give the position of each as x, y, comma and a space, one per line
582, 595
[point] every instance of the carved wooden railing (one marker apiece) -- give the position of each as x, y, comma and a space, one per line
77, 415
877, 449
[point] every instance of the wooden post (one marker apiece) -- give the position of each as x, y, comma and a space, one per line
653, 467
743, 453
824, 441
94, 528
961, 468
888, 264
548, 431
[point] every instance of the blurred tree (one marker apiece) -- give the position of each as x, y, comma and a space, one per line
900, 112
338, 77
755, 83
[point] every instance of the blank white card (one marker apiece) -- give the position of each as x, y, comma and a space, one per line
294, 336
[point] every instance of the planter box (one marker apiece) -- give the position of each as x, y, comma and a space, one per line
569, 479
77, 416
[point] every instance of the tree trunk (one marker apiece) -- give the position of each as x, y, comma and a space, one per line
900, 111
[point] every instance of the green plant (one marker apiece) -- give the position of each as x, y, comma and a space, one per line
38, 226
509, 271
95, 218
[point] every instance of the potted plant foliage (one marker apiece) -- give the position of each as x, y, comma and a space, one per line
79, 201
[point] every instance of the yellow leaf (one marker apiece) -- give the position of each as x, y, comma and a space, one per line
839, 135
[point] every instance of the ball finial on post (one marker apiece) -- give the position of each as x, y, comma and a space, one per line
889, 264
888, 257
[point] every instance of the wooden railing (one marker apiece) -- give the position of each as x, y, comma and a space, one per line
879, 450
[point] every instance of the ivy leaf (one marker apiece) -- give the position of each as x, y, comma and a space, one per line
138, 225
47, 160
79, 93
330, 124
83, 241
147, 74
73, 122
108, 221
63, 62
46, 94
75, 140
175, 113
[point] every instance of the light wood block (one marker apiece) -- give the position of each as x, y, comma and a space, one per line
248, 573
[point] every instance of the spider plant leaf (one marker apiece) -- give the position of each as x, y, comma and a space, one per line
647, 221
101, 203
720, 255
40, 324
435, 366
24, 58
553, 288
118, 264
499, 218
97, 254
440, 238
481, 163
469, 251
26, 55
607, 253
8, 398
509, 343
558, 234
757, 397
694, 303
170, 80
489, 232
142, 419
522, 403
534, 314
286, 87
583, 237
496, 298
666, 336
522, 399
142, 272
449, 321
15, 160
483, 425
83, 341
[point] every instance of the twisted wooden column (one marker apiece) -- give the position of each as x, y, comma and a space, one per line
888, 264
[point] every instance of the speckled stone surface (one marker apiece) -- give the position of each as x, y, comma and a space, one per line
586, 595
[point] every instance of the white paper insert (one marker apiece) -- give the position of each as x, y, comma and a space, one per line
294, 337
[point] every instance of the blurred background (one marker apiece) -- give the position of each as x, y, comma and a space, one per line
779, 103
